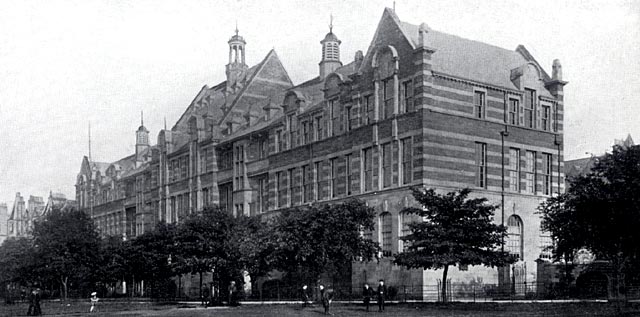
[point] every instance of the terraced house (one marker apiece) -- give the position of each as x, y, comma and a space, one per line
420, 107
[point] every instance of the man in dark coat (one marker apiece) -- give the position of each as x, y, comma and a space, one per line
232, 293
327, 298
367, 292
32, 303
382, 293
204, 297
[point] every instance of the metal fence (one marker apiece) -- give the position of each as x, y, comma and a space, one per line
463, 292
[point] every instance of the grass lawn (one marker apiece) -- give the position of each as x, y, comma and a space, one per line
429, 309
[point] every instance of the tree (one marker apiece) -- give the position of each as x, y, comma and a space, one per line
215, 241
600, 212
455, 230
311, 240
67, 248
152, 258
17, 261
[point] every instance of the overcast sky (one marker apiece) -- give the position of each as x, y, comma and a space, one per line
65, 63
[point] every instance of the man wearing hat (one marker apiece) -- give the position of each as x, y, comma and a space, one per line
94, 302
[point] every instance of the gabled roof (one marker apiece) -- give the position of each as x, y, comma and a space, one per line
578, 167
463, 58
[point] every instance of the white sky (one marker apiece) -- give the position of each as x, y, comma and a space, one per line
65, 63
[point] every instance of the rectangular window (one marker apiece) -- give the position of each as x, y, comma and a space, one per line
405, 230
386, 165
387, 246
350, 124
290, 175
529, 108
514, 169
347, 162
546, 118
305, 132
279, 141
279, 189
205, 197
530, 170
407, 96
262, 149
334, 107
367, 156
367, 103
514, 105
319, 131
317, 167
334, 177
407, 157
481, 165
479, 104
307, 175
546, 243
546, 174
292, 128
387, 97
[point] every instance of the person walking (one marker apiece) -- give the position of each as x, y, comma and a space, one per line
94, 302
232, 291
204, 296
367, 292
327, 298
382, 293
304, 295
32, 303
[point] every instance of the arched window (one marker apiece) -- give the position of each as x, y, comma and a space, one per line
385, 233
514, 232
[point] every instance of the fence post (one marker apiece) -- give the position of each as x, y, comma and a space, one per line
474, 293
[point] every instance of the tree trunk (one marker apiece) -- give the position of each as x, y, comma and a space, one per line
64, 281
200, 284
444, 283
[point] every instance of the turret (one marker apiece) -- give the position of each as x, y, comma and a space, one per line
330, 53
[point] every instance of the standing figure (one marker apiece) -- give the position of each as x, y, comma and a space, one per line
327, 298
32, 303
94, 302
382, 293
36, 308
321, 288
232, 291
367, 292
204, 296
304, 294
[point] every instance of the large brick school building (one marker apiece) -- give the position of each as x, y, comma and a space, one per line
419, 107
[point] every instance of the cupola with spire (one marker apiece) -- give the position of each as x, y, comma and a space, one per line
142, 140
330, 53
237, 68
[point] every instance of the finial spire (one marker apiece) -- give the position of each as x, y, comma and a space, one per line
165, 123
236, 26
141, 118
330, 22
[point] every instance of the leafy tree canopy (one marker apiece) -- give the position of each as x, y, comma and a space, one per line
455, 230
314, 239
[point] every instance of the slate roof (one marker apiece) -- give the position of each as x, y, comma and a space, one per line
469, 59
578, 167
